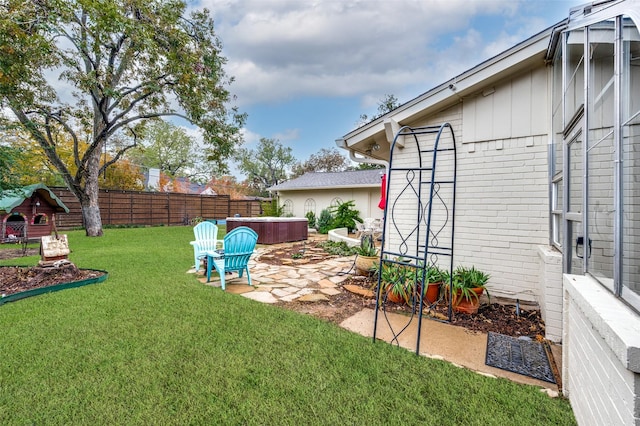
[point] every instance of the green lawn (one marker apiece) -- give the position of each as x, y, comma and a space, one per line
153, 346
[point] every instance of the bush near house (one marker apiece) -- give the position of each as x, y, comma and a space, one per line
272, 209
344, 214
325, 222
311, 218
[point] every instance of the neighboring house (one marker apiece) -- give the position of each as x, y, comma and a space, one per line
155, 180
548, 190
28, 212
208, 191
318, 191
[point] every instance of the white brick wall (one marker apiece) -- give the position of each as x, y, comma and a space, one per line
502, 210
502, 214
601, 355
550, 291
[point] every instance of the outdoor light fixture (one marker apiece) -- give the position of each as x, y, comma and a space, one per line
488, 92
373, 147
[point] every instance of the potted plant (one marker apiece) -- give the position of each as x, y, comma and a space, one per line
397, 281
468, 285
367, 255
435, 277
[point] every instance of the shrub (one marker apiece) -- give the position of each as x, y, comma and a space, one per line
272, 208
344, 214
325, 221
311, 217
339, 248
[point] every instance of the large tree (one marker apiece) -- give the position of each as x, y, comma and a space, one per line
387, 104
32, 163
169, 148
8, 157
325, 160
87, 70
266, 165
228, 185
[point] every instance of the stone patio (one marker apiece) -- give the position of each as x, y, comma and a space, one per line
313, 282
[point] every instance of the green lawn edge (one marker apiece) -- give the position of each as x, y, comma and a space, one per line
152, 345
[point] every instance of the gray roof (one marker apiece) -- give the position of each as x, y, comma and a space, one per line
327, 180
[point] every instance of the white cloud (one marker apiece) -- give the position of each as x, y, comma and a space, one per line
282, 49
288, 135
249, 137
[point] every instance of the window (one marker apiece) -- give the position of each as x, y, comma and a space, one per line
600, 180
310, 206
629, 287
574, 255
40, 219
594, 160
556, 155
336, 202
287, 207
574, 74
15, 226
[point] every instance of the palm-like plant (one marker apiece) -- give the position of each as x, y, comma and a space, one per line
464, 280
398, 280
367, 246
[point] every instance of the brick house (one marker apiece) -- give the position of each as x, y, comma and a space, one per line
547, 135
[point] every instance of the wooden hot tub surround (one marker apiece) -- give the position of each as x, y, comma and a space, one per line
273, 230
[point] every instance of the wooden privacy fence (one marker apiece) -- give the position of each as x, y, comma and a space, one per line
154, 208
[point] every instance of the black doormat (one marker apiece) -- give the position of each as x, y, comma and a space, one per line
525, 357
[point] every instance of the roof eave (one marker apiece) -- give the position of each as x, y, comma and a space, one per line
42, 191
332, 187
519, 57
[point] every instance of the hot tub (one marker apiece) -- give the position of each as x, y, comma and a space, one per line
273, 230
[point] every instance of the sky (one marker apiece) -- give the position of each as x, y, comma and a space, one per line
305, 71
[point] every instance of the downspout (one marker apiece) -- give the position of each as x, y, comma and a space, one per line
352, 156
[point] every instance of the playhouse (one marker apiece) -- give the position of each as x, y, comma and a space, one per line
28, 213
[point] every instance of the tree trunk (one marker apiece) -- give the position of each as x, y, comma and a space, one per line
89, 201
92, 220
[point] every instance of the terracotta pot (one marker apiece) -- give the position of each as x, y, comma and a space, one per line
433, 292
395, 298
365, 264
467, 306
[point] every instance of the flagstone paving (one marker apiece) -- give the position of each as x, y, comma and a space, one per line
299, 281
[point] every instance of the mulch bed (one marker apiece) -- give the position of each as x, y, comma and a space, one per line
497, 317
303, 252
16, 279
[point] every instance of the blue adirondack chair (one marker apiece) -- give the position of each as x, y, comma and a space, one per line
206, 239
239, 245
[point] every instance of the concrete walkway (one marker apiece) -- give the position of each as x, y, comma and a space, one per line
320, 281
